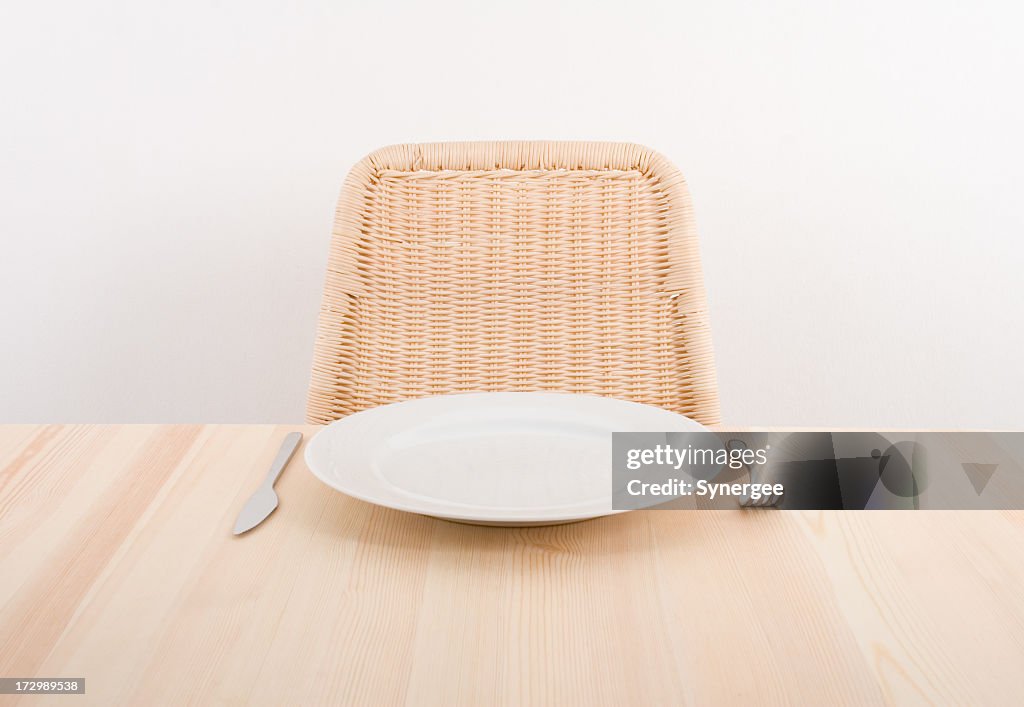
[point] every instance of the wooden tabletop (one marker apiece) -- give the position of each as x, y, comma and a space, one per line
118, 565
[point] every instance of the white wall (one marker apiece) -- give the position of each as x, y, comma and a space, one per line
168, 174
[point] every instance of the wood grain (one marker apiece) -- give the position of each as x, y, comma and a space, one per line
118, 566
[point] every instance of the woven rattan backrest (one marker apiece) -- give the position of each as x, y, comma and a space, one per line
504, 266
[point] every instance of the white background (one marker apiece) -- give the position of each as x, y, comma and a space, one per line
168, 173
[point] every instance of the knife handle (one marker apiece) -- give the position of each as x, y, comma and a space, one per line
288, 447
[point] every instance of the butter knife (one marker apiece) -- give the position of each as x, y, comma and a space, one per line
262, 503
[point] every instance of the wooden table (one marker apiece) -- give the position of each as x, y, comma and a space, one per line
118, 566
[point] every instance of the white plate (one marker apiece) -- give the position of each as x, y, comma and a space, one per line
488, 458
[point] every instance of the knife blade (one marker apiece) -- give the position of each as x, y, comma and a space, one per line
263, 502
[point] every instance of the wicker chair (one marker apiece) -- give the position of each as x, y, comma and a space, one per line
505, 266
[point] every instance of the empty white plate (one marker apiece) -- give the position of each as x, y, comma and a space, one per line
487, 458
